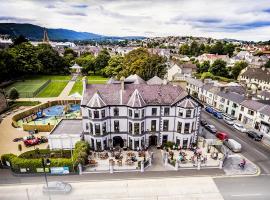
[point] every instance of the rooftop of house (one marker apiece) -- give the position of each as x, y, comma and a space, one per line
264, 94
135, 95
193, 81
257, 73
133, 92
68, 127
232, 96
252, 104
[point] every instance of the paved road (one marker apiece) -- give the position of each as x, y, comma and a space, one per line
199, 188
244, 188
255, 151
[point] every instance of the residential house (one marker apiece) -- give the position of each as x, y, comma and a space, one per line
257, 76
180, 71
212, 58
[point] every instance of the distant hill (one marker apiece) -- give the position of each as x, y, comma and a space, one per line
34, 32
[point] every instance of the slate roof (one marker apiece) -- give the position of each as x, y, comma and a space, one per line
112, 94
135, 79
188, 65
265, 94
232, 96
265, 110
193, 81
252, 104
258, 73
155, 81
187, 103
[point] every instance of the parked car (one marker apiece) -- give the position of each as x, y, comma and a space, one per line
233, 145
31, 142
222, 136
217, 114
211, 128
203, 122
240, 127
43, 139
254, 135
29, 137
209, 109
57, 187
228, 120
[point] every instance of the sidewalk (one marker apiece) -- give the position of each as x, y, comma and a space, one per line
231, 166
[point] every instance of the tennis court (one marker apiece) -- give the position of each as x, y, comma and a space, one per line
27, 88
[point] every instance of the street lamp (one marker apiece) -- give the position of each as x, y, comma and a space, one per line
46, 161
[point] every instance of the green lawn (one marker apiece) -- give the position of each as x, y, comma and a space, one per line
26, 88
77, 87
53, 89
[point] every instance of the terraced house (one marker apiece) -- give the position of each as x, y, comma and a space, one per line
132, 113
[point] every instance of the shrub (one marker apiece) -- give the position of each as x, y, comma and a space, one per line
169, 144
32, 160
13, 94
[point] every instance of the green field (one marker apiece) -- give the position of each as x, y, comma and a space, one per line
53, 89
26, 88
77, 87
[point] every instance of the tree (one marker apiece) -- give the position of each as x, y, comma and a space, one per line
194, 49
19, 40
7, 66
115, 65
50, 60
144, 64
238, 67
217, 48
101, 60
218, 68
87, 62
184, 49
204, 67
13, 94
229, 49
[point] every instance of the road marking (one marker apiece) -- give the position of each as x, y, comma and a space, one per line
245, 195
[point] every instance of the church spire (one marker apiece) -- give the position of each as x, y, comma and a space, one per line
45, 37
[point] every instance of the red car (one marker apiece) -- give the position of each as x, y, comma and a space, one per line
31, 142
222, 136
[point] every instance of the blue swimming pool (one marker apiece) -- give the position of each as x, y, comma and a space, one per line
58, 110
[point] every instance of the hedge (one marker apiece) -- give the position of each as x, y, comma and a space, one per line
17, 162
47, 153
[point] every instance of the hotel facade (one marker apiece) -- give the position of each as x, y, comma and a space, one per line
135, 114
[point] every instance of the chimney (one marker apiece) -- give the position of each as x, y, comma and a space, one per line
122, 80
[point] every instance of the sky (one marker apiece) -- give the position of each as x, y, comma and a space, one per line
236, 19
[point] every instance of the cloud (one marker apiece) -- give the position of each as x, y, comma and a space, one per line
79, 6
241, 19
72, 13
15, 19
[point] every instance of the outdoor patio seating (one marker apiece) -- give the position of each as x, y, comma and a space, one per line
119, 163
130, 154
103, 156
93, 163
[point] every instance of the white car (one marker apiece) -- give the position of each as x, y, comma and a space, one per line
228, 121
240, 127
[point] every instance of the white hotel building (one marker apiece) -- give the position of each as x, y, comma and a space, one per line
132, 113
